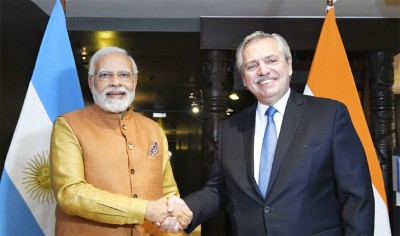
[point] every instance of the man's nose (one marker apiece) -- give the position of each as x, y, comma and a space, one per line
263, 69
114, 80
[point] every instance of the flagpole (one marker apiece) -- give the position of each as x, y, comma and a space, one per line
329, 4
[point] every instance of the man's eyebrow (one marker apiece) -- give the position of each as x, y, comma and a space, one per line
250, 62
263, 58
103, 70
271, 56
124, 70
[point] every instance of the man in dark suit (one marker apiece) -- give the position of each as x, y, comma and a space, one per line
319, 183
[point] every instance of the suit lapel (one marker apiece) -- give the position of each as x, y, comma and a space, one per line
293, 112
248, 143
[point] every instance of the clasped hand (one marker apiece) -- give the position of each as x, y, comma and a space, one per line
171, 215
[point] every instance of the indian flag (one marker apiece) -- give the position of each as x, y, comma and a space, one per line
331, 77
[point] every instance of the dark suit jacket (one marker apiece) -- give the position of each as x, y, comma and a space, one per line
319, 185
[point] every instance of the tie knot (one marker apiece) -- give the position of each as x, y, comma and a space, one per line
270, 112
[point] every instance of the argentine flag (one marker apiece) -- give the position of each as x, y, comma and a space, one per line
27, 204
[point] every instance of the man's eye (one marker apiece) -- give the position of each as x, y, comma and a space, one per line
105, 75
272, 61
124, 75
251, 67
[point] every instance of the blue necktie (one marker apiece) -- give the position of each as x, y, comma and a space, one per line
267, 151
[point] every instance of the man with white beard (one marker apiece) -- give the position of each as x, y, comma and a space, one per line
110, 166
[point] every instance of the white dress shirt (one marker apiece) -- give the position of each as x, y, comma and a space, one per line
261, 124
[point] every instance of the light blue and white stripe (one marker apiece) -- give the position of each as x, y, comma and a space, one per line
27, 205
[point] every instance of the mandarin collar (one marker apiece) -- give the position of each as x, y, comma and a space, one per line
113, 116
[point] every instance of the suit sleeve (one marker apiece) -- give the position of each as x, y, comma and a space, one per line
206, 202
352, 177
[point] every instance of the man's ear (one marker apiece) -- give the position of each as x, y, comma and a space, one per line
290, 68
243, 80
90, 82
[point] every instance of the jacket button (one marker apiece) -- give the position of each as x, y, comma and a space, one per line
135, 195
266, 210
133, 171
130, 146
124, 127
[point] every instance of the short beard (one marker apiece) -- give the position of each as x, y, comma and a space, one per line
113, 105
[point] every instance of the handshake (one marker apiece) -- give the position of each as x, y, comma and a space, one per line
171, 215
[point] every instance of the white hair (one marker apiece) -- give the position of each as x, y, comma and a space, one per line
282, 46
109, 50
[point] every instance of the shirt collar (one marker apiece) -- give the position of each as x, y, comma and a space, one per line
280, 105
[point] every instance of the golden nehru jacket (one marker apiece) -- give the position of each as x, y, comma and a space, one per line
105, 166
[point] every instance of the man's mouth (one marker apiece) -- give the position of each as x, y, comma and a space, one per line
263, 81
115, 94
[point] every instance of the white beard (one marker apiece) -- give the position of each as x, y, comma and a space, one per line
113, 105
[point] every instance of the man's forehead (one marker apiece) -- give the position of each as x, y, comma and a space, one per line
251, 54
120, 69
262, 56
114, 60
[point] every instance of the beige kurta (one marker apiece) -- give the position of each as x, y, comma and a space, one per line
104, 168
